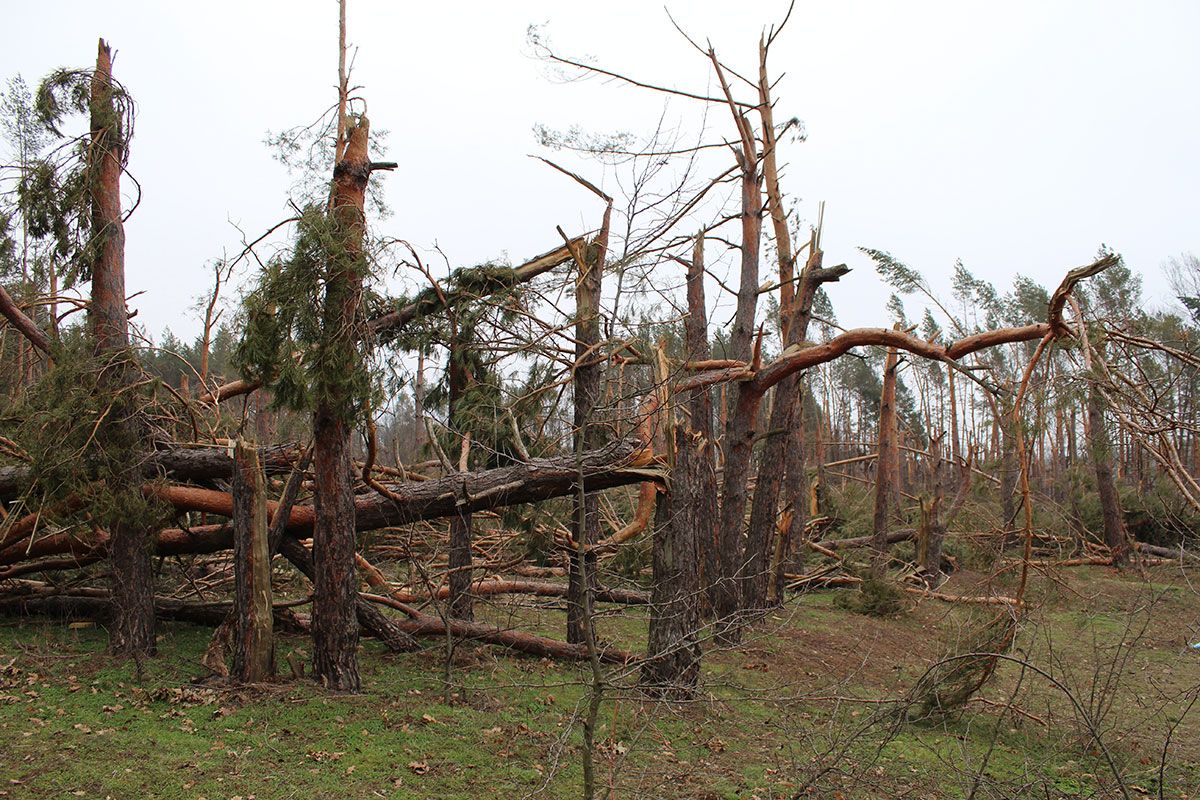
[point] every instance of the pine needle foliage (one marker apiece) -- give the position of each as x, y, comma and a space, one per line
288, 342
84, 434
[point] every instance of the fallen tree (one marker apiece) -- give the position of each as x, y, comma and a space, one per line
618, 464
199, 465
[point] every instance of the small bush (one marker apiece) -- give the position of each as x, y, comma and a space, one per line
876, 597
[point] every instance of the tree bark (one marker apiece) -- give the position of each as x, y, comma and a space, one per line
368, 616
254, 647
585, 516
932, 532
700, 423
335, 626
461, 605
618, 464
1115, 534
784, 434
199, 465
886, 471
672, 666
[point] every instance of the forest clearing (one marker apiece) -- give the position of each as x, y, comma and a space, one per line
632, 516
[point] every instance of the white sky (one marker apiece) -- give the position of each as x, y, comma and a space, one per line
1016, 136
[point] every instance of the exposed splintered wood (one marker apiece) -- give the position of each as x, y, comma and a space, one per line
740, 425
254, 647
786, 445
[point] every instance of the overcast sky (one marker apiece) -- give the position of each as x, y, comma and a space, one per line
1017, 136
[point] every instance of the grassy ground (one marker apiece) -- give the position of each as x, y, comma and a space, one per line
795, 710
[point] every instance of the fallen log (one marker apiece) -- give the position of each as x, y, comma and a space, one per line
35, 598
494, 586
863, 541
200, 465
1174, 554
420, 624
807, 581
618, 464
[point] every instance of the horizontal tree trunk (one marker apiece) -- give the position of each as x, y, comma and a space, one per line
428, 625
200, 465
488, 587
619, 464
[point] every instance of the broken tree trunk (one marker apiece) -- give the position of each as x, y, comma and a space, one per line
427, 625
886, 470
488, 587
585, 517
200, 465
741, 422
254, 646
700, 423
784, 434
461, 606
932, 532
132, 632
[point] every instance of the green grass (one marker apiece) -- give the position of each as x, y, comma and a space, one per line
786, 711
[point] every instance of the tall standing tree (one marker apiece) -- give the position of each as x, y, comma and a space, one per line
129, 547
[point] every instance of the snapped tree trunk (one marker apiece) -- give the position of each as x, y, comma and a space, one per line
700, 423
1010, 469
741, 423
886, 471
254, 647
783, 445
461, 604
932, 532
132, 631
585, 516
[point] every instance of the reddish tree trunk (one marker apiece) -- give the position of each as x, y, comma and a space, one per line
335, 590
129, 548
